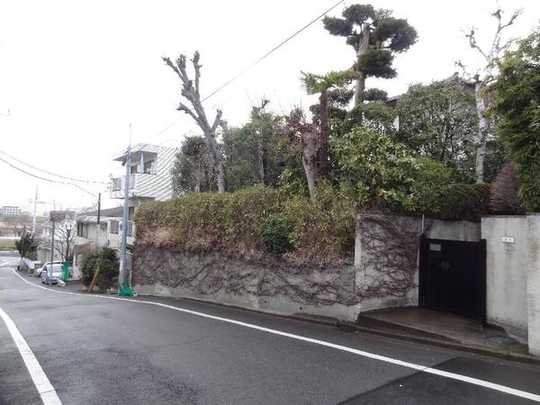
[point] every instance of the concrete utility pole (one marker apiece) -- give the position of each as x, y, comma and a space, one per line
35, 202
52, 241
34, 213
123, 280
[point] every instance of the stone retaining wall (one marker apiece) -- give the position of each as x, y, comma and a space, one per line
384, 273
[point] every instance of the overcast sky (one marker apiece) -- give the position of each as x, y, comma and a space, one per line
74, 74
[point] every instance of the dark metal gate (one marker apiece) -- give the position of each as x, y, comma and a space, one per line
453, 277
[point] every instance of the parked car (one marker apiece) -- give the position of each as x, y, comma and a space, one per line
51, 274
38, 269
28, 265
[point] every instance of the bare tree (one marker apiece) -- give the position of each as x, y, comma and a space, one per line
194, 108
256, 116
63, 236
483, 77
307, 137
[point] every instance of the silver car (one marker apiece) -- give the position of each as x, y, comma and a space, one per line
51, 274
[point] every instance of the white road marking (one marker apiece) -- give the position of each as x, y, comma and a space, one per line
425, 369
43, 385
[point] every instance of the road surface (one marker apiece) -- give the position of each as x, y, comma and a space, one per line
93, 350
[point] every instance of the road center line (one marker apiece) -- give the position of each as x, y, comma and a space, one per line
43, 385
459, 377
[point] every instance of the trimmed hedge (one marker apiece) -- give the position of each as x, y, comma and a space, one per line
456, 202
250, 223
260, 222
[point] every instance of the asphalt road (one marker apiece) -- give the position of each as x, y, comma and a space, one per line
101, 351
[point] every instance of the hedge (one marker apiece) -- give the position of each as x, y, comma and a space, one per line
260, 222
251, 223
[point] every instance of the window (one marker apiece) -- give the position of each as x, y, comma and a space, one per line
131, 213
149, 167
82, 230
114, 227
79, 229
134, 169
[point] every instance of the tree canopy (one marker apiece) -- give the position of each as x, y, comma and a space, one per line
517, 104
439, 121
375, 36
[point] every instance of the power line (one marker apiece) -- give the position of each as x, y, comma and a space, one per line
271, 51
259, 60
46, 179
51, 173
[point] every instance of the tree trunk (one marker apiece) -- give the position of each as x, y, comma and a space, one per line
220, 175
483, 128
310, 149
198, 176
363, 46
215, 161
324, 133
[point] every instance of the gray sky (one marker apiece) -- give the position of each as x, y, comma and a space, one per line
75, 73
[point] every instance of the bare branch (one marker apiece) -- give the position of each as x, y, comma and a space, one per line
473, 44
169, 63
496, 47
224, 125
197, 69
217, 120
187, 110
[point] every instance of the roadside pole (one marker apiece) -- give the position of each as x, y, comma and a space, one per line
98, 260
34, 214
52, 242
124, 289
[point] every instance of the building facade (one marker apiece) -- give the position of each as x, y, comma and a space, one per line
9, 211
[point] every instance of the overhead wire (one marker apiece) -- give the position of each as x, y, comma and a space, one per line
260, 59
51, 173
46, 179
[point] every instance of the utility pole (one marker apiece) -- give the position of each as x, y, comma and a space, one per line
52, 241
124, 288
34, 214
98, 261
35, 202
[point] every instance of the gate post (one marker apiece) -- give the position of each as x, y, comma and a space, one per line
422, 263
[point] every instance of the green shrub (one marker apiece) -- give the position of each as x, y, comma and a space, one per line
463, 202
275, 235
251, 223
108, 268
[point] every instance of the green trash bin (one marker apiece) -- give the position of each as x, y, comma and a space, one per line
66, 270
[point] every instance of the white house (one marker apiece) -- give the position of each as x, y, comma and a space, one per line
149, 179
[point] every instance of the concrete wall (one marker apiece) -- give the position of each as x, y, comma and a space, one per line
265, 286
384, 274
453, 230
386, 251
533, 283
513, 275
506, 277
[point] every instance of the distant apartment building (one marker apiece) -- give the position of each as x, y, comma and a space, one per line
9, 211
149, 179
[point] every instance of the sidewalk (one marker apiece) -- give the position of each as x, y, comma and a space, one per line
440, 327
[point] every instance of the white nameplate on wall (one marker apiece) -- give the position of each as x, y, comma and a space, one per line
507, 239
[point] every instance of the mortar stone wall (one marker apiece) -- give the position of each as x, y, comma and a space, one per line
384, 274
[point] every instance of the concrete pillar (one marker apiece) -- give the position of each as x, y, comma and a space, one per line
359, 273
533, 283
